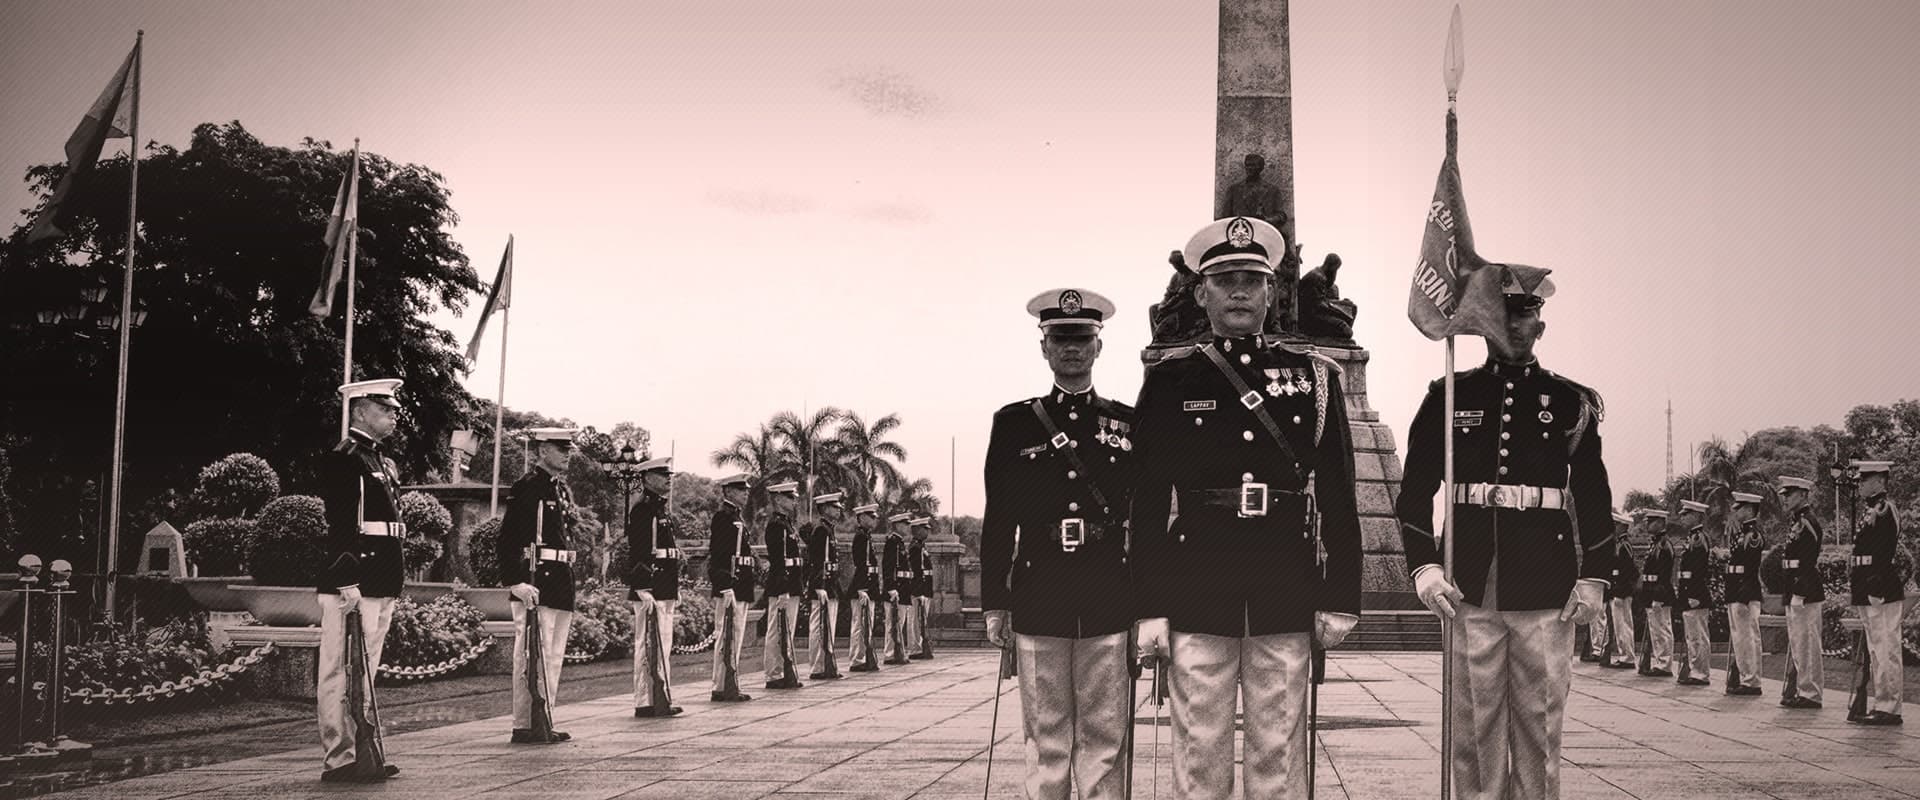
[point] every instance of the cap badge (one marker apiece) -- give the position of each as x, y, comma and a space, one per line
1239, 232
1070, 301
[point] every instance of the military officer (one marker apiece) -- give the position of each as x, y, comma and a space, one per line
1053, 557
920, 560
1622, 583
786, 584
365, 569
1657, 597
1533, 553
1743, 597
536, 565
897, 578
1250, 433
1878, 594
653, 578
1600, 633
1695, 598
730, 569
823, 584
863, 589
1806, 595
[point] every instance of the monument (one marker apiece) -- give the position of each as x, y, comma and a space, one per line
1253, 176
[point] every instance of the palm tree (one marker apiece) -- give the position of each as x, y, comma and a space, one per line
1725, 470
864, 453
809, 448
918, 496
757, 454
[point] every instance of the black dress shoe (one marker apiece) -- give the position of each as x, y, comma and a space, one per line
864, 668
1744, 691
648, 711
1589, 657
785, 683
1658, 673
1879, 718
736, 697
528, 736
346, 774
1800, 702
921, 656
897, 661
1692, 681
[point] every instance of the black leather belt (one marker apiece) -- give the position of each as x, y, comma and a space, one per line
1247, 500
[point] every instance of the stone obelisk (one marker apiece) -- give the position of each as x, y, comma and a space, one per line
1255, 118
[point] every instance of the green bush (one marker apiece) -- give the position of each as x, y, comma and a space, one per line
289, 544
424, 634
693, 617
425, 516
122, 660
602, 620
219, 546
481, 557
239, 485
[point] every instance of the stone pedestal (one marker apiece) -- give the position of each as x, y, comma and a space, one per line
1376, 471
468, 503
946, 552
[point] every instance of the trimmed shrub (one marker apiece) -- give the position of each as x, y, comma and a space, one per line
219, 546
238, 485
289, 544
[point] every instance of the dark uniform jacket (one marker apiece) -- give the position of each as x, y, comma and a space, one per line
1512, 426
1743, 567
1031, 486
357, 484
1874, 573
1695, 572
1802, 559
1209, 570
537, 512
653, 557
730, 562
895, 574
1656, 575
1624, 576
921, 559
786, 558
823, 560
866, 565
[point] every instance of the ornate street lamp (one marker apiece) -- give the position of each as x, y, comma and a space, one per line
624, 467
1846, 480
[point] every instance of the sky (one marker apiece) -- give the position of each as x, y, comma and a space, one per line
726, 210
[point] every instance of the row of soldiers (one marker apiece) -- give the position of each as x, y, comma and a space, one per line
1665, 581
364, 575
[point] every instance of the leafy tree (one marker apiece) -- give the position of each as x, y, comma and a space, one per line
809, 449
757, 454
1638, 499
219, 546
864, 451
238, 485
229, 359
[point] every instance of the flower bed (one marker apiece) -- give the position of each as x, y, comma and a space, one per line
167, 662
602, 622
428, 640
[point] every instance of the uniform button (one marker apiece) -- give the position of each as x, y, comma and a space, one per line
1071, 474
1246, 359
1561, 537
1509, 385
1246, 477
1506, 417
1073, 506
1074, 443
1503, 454
1112, 460
1032, 456
1199, 421
1183, 537
1504, 435
1543, 434
1503, 470
1247, 435
1509, 401
1073, 415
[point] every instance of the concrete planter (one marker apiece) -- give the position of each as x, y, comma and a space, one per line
281, 606
493, 601
426, 592
214, 593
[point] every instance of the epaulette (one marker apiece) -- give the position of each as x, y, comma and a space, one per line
348, 445
1306, 349
1110, 404
1587, 393
1458, 376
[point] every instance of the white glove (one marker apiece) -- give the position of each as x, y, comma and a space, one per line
1330, 628
864, 598
349, 596
820, 596
646, 598
525, 593
1584, 603
1439, 595
997, 628
1875, 601
893, 596
1796, 600
1693, 602
1150, 637
726, 595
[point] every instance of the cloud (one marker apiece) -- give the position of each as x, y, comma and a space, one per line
760, 201
895, 213
885, 93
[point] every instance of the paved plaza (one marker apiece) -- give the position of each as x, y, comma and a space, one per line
920, 731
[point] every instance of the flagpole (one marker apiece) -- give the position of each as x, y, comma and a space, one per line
126, 334
499, 411
1446, 569
352, 233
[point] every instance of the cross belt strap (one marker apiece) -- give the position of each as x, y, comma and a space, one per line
1060, 442
1254, 403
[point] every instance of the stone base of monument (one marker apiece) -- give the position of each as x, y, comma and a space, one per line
292, 671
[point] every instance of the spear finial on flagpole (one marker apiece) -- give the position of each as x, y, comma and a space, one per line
1456, 57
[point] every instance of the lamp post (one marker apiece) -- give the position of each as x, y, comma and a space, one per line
624, 467
1846, 479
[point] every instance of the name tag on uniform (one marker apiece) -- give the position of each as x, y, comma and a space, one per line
1685, 575
1197, 405
1468, 419
1038, 448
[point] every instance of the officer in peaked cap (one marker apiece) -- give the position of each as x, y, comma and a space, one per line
1878, 592
1657, 596
920, 562
1743, 596
1053, 563
1623, 582
730, 569
1533, 551
1695, 599
786, 584
365, 570
897, 582
536, 565
1231, 590
823, 584
1600, 633
653, 575
863, 590
1806, 594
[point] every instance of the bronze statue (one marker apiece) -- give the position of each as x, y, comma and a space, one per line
1252, 197
1323, 315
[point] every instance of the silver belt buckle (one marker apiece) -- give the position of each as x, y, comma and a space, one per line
1500, 496
1253, 500
1073, 533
